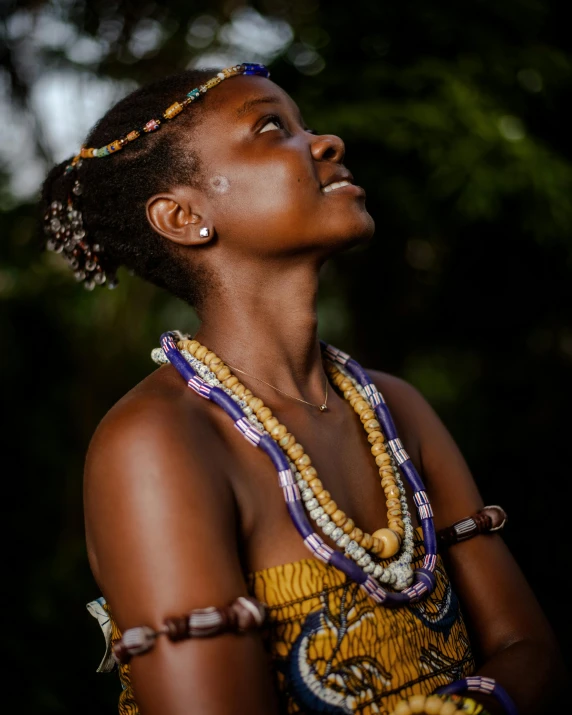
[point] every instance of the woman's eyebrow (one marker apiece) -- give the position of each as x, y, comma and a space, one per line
250, 103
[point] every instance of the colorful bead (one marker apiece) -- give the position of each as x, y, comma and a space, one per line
173, 110
151, 125
132, 136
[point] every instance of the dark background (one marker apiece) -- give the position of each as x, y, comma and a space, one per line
454, 119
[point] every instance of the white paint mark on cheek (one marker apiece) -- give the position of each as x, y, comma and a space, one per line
220, 184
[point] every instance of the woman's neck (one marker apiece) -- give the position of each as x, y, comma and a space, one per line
265, 323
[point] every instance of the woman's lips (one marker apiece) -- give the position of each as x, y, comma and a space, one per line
343, 187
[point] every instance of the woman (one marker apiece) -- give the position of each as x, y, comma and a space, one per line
231, 203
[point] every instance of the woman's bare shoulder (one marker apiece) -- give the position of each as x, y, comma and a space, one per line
159, 407
155, 450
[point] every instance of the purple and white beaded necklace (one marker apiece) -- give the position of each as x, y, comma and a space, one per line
423, 577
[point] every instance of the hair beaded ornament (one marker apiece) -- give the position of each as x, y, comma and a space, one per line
63, 224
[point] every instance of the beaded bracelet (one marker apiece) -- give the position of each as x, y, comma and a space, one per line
243, 614
481, 684
487, 520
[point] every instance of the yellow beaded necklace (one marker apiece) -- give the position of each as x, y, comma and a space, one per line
384, 542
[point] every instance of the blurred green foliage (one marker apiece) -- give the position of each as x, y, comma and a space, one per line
454, 120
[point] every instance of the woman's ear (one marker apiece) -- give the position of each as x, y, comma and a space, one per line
172, 216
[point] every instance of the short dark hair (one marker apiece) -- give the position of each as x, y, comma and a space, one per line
116, 188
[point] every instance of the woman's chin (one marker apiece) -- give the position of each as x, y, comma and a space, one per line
361, 232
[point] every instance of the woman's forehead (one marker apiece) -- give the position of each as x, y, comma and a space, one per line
239, 96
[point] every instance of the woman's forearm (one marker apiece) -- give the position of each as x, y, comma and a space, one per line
532, 673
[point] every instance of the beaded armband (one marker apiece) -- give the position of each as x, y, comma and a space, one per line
242, 615
485, 521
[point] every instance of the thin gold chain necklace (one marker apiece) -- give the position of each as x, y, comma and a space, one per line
323, 407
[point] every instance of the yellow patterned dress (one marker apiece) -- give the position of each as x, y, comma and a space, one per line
334, 650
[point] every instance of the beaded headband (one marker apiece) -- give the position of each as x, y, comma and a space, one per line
63, 225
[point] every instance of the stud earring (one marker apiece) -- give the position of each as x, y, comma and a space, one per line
204, 232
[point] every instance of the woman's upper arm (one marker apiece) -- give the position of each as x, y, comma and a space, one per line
161, 527
496, 597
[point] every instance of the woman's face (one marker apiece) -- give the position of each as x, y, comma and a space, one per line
265, 174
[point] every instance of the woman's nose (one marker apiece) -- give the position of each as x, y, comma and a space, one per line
328, 147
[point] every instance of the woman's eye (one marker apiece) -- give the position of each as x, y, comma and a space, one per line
276, 121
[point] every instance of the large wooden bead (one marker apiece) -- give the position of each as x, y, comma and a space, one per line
390, 540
